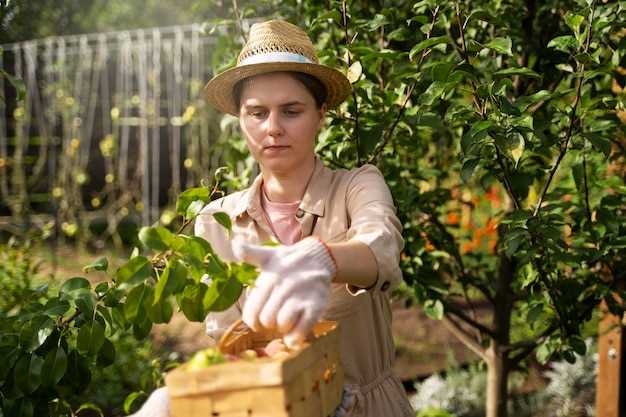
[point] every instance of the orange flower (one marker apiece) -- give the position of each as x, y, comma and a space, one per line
453, 218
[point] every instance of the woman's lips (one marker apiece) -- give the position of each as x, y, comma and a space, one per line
275, 148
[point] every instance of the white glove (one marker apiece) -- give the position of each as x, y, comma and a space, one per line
292, 290
157, 405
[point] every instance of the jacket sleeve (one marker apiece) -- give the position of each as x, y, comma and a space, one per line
373, 221
207, 228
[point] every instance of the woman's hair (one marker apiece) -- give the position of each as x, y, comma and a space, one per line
314, 86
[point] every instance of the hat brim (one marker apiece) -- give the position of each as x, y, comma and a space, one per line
218, 91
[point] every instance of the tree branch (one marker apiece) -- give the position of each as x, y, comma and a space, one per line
587, 205
481, 109
467, 339
573, 120
505, 178
408, 91
469, 320
528, 346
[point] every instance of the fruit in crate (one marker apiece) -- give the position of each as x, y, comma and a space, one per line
205, 358
268, 379
276, 346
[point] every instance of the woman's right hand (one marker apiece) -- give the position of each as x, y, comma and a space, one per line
292, 290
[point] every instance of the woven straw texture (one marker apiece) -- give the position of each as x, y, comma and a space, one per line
275, 36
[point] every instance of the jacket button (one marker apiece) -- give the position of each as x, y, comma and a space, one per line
299, 213
385, 286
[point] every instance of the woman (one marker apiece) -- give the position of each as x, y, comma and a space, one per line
339, 234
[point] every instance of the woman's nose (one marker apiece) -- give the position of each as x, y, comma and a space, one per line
274, 127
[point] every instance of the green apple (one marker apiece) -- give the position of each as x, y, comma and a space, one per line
205, 358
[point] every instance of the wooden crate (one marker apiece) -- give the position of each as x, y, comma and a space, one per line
307, 383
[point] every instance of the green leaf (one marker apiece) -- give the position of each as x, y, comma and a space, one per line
563, 43
141, 330
354, 72
433, 93
529, 275
375, 23
36, 332
27, 373
194, 209
245, 273
195, 247
106, 354
137, 300
468, 168
56, 307
130, 399
599, 143
544, 352
526, 72
189, 196
161, 312
578, 345
223, 219
579, 175
9, 355
525, 102
91, 407
101, 264
78, 374
477, 132
86, 304
157, 238
501, 45
222, 294
90, 338
369, 137
171, 281
101, 288
434, 309
74, 284
574, 21
54, 366
513, 241
514, 146
534, 313
428, 43
135, 270
481, 14
22, 407
190, 301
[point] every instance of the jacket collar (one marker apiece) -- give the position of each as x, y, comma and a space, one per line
313, 200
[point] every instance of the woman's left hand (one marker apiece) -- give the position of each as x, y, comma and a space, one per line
292, 290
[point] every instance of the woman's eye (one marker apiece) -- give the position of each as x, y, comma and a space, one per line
257, 114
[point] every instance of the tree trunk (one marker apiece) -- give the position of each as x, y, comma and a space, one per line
497, 359
497, 382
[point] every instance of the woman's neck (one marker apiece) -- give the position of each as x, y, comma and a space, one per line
288, 187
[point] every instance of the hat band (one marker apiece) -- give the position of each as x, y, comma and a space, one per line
275, 57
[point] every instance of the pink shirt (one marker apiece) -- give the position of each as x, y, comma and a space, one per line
282, 219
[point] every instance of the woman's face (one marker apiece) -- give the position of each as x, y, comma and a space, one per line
280, 120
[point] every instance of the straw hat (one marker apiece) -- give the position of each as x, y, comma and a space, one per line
275, 45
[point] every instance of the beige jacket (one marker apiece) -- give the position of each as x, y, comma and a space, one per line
338, 205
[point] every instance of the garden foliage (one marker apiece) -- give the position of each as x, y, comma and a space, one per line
53, 340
